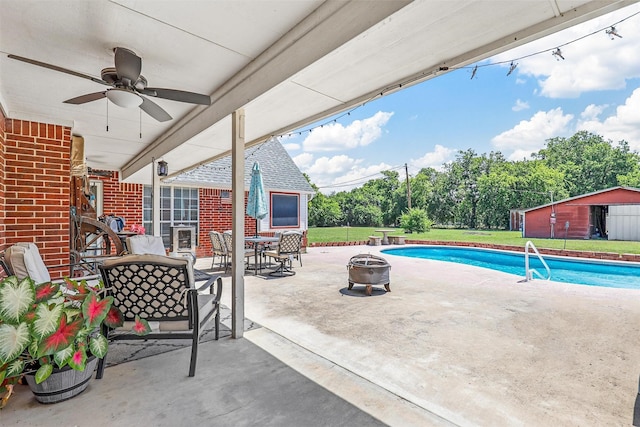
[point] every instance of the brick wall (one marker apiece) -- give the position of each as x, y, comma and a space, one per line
216, 215
2, 182
121, 199
36, 189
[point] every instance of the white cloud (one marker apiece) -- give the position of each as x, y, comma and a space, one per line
337, 173
592, 111
520, 105
530, 135
593, 63
336, 137
303, 160
291, 146
624, 125
434, 159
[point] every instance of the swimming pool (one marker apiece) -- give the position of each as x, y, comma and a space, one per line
567, 270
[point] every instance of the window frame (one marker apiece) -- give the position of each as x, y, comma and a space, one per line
275, 195
170, 209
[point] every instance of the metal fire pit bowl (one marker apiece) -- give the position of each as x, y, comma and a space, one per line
369, 270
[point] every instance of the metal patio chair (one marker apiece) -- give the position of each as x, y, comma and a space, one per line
289, 248
161, 290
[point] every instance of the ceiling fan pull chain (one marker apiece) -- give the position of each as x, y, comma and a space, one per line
107, 115
140, 123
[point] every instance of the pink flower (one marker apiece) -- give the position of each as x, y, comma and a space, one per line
137, 229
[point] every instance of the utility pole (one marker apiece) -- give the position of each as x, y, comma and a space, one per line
406, 170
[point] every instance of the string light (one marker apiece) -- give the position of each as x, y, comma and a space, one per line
610, 30
558, 54
473, 73
612, 33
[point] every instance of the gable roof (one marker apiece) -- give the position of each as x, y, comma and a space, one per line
279, 172
581, 196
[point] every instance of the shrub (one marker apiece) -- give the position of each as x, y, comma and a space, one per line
415, 220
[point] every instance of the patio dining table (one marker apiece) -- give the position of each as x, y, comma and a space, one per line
385, 238
257, 240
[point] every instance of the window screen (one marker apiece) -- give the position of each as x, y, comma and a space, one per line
284, 210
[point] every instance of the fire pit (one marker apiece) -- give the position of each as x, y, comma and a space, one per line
369, 270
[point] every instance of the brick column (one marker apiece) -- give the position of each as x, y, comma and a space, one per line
37, 189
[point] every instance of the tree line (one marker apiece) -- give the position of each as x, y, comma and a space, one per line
479, 190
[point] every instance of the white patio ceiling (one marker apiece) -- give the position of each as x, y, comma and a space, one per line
287, 63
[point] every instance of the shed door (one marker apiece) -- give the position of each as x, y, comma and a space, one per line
624, 222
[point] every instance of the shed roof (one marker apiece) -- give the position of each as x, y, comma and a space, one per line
279, 172
582, 196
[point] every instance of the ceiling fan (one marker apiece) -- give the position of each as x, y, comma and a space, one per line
127, 85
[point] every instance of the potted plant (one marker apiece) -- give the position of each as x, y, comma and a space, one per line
51, 328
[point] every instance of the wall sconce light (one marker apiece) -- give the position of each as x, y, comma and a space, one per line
163, 168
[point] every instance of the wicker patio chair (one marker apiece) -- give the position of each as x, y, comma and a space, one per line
219, 249
228, 242
161, 290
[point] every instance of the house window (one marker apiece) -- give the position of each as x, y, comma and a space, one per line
285, 210
178, 206
96, 198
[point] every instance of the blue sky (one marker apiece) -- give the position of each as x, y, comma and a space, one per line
595, 88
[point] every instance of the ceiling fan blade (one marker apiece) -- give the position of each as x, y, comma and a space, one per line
154, 110
82, 99
128, 64
56, 68
177, 95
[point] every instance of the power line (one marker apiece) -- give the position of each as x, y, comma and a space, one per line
609, 30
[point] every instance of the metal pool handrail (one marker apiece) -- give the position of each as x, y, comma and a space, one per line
529, 272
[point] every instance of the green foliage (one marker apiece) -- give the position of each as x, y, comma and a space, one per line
588, 162
416, 220
48, 323
324, 211
478, 191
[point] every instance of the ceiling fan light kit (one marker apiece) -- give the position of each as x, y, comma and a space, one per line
127, 85
124, 98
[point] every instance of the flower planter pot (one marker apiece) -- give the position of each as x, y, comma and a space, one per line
63, 383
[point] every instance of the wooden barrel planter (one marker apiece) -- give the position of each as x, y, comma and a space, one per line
370, 270
63, 383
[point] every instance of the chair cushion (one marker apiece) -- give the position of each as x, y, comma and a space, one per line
144, 244
160, 259
25, 261
205, 307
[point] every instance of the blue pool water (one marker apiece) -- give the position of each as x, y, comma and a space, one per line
594, 273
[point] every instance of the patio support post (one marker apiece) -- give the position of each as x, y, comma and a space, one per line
155, 200
237, 227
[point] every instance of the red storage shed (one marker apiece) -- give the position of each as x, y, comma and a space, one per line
585, 217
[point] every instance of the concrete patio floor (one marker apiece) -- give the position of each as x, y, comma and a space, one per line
449, 345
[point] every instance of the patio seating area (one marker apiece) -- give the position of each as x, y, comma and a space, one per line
463, 346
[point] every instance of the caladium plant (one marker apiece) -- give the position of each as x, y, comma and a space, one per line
52, 324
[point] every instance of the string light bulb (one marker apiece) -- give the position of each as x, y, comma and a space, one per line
558, 54
612, 33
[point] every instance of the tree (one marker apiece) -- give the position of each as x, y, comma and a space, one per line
588, 162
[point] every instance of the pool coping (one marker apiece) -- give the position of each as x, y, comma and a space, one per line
612, 256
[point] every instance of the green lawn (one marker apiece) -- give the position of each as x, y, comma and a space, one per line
344, 234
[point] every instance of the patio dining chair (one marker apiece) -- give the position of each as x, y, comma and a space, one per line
228, 241
218, 249
161, 290
144, 244
289, 248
